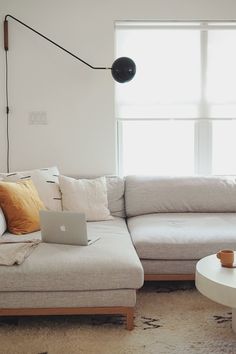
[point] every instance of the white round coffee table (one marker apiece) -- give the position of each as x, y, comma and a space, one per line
217, 283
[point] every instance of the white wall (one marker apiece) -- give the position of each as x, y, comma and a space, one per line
81, 135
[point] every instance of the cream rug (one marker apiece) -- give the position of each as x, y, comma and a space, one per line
170, 318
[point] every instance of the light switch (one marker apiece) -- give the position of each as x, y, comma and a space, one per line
38, 118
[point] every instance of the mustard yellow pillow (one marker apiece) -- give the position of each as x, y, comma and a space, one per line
20, 203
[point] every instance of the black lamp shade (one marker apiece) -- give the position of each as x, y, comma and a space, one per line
123, 69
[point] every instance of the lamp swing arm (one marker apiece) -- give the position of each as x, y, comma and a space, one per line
6, 47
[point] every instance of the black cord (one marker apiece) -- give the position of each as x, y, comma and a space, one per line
7, 112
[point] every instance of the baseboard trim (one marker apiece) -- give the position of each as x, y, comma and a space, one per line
128, 312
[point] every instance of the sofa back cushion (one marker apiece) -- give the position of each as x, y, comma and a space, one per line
115, 195
146, 195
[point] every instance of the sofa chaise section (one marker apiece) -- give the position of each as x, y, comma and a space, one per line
174, 222
60, 279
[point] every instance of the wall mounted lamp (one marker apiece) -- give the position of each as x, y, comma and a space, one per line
123, 69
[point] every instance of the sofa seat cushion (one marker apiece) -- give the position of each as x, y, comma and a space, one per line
182, 235
109, 263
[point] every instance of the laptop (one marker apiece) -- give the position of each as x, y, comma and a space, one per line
65, 227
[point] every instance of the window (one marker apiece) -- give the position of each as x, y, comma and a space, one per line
178, 115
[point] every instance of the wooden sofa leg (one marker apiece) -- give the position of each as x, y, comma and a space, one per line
130, 319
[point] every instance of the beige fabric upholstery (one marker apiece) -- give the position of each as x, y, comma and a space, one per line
110, 263
115, 195
166, 266
181, 236
47, 299
146, 195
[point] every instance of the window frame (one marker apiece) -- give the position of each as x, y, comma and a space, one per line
203, 124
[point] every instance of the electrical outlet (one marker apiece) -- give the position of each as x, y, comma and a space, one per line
38, 118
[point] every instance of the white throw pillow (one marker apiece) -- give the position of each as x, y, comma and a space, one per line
3, 224
46, 183
88, 196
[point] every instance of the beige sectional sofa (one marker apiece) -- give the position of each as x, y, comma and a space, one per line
172, 223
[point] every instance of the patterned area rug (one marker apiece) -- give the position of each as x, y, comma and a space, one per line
171, 318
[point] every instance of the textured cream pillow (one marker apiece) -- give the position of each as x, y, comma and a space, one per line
3, 224
88, 196
45, 181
